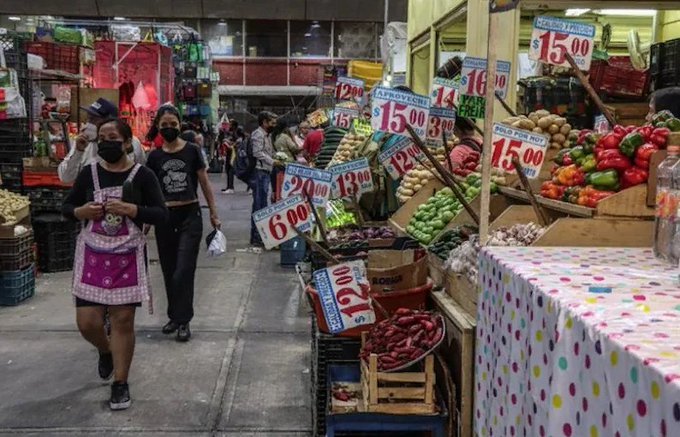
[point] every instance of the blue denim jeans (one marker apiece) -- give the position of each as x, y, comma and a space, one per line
260, 187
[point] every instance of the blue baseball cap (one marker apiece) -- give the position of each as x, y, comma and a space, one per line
102, 108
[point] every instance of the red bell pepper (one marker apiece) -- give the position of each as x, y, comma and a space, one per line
610, 154
551, 190
634, 176
610, 141
643, 154
589, 196
613, 159
646, 132
569, 176
620, 130
660, 137
631, 128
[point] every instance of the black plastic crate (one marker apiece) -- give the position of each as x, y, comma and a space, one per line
45, 200
656, 58
16, 252
55, 238
17, 286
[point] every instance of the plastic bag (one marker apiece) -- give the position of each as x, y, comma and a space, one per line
217, 243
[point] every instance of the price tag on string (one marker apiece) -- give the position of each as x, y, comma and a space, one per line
351, 178
473, 77
392, 110
601, 125
401, 157
349, 88
552, 38
528, 147
441, 120
343, 117
444, 93
344, 293
275, 223
303, 180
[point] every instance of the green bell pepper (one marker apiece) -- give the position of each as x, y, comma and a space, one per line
563, 155
607, 180
577, 153
588, 163
661, 117
630, 143
673, 124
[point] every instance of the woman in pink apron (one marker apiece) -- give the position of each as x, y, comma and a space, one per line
114, 198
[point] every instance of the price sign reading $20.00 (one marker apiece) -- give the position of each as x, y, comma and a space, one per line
344, 294
351, 178
299, 179
552, 38
401, 157
392, 110
275, 223
441, 120
348, 88
509, 143
342, 117
444, 93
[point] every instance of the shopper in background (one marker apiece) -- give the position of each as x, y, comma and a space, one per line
302, 132
84, 150
227, 145
180, 168
665, 99
284, 142
469, 141
115, 198
313, 142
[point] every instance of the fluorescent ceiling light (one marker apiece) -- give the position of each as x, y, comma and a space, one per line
222, 23
307, 35
627, 12
576, 12
14, 18
315, 25
119, 18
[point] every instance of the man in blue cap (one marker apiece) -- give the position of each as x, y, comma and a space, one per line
84, 150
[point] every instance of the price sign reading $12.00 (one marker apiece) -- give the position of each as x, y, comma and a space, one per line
348, 88
351, 178
342, 117
509, 143
275, 223
299, 179
401, 157
444, 93
393, 110
441, 120
552, 38
344, 294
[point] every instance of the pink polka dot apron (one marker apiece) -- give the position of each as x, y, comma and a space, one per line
110, 266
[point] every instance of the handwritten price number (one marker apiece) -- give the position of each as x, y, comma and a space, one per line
342, 275
343, 120
402, 161
350, 183
438, 124
530, 156
296, 215
347, 91
307, 186
554, 47
395, 119
444, 97
476, 82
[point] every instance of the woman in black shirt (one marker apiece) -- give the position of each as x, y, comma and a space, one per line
180, 168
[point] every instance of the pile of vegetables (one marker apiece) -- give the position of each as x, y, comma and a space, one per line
348, 149
449, 240
362, 234
469, 165
431, 217
403, 339
415, 179
545, 123
332, 138
337, 216
344, 392
600, 165
10, 203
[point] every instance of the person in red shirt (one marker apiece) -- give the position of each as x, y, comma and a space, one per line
313, 143
470, 142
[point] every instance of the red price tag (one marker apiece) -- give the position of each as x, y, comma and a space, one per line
300, 179
510, 143
552, 38
601, 125
351, 178
348, 88
275, 223
401, 157
473, 77
441, 120
444, 93
392, 110
344, 293
342, 117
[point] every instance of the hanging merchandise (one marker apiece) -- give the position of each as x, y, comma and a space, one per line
140, 100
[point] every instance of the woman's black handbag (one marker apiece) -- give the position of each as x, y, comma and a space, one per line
215, 165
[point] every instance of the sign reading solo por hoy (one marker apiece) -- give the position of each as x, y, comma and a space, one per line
342, 117
552, 38
441, 120
402, 156
392, 110
344, 293
348, 88
473, 77
528, 147
444, 93
351, 178
275, 223
299, 179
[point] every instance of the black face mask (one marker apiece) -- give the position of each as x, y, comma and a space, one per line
110, 151
169, 134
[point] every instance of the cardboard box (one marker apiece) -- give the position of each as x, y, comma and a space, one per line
654, 162
396, 270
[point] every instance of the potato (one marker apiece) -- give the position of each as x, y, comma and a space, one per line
555, 145
517, 124
407, 186
537, 130
527, 124
542, 113
510, 120
559, 138
560, 121
534, 118
553, 129
544, 123
565, 129
408, 192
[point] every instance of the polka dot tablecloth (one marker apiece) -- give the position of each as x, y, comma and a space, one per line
555, 358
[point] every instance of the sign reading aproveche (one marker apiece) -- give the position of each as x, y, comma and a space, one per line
400, 157
393, 110
351, 178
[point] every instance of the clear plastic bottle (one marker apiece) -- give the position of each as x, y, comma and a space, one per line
666, 206
675, 202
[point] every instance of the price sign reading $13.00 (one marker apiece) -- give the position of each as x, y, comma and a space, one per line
344, 294
275, 223
392, 110
351, 178
441, 120
348, 88
299, 179
509, 143
473, 77
342, 117
552, 38
444, 93
401, 157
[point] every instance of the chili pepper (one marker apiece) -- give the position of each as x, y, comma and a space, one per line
673, 124
588, 163
620, 163
630, 143
569, 176
643, 154
661, 117
577, 153
610, 141
634, 176
660, 137
604, 180
562, 157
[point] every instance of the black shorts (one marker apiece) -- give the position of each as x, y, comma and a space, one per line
86, 303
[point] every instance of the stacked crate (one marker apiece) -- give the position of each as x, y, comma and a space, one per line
55, 238
17, 268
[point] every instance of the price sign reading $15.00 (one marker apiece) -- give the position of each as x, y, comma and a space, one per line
348, 88
392, 110
401, 157
299, 179
509, 143
342, 117
444, 93
552, 38
351, 178
441, 120
275, 223
344, 294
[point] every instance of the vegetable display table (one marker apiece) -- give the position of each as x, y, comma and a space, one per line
555, 357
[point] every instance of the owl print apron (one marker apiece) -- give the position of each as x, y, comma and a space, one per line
110, 265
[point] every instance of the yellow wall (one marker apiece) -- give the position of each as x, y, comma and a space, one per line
421, 72
669, 23
422, 13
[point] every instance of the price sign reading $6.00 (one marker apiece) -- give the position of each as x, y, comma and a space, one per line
275, 223
351, 178
509, 143
344, 293
401, 157
393, 110
299, 179
552, 39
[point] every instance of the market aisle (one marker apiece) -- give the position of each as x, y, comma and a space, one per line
244, 373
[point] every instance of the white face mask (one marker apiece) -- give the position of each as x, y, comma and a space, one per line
90, 131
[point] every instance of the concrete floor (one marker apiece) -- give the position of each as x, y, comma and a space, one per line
244, 373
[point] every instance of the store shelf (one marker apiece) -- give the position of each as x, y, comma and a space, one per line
55, 76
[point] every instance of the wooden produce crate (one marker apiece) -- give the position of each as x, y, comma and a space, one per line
402, 217
458, 350
436, 269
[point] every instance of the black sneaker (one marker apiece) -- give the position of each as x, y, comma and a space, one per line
170, 327
120, 396
183, 333
105, 366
